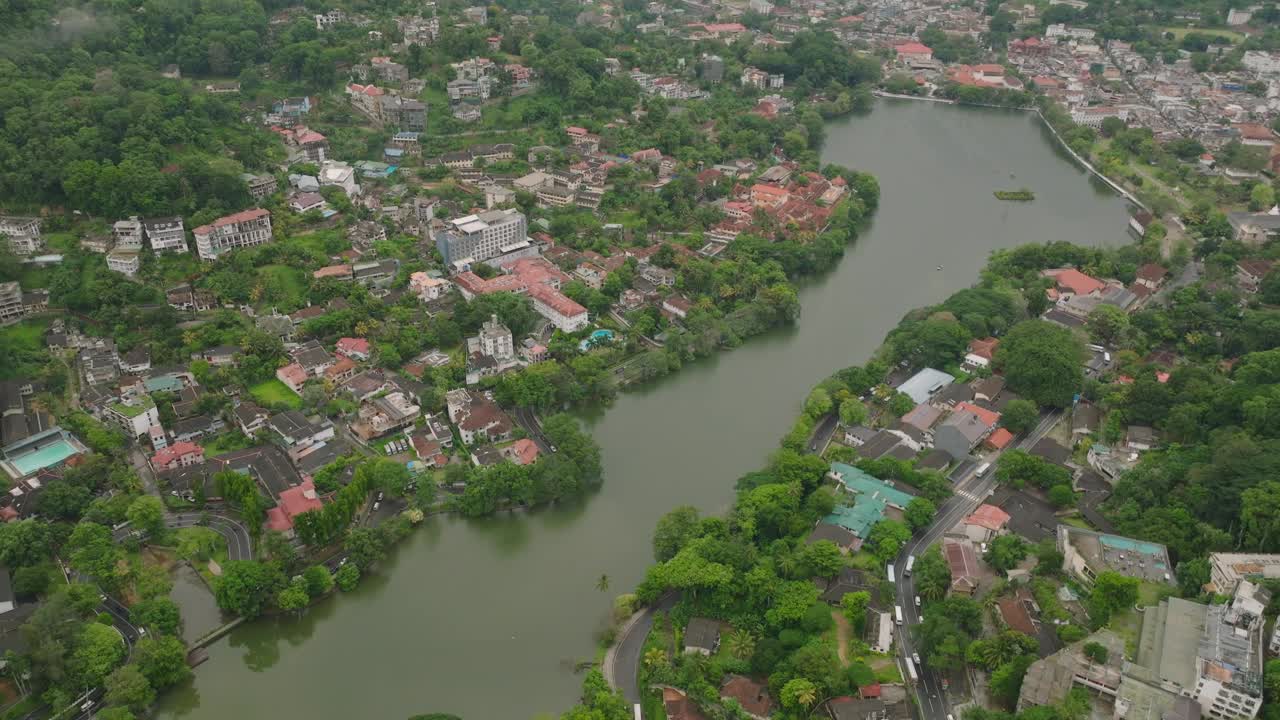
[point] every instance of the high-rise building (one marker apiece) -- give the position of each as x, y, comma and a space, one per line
475, 238
243, 229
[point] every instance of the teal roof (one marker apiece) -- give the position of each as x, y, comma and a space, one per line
866, 486
162, 383
860, 518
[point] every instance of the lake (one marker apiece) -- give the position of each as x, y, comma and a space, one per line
486, 618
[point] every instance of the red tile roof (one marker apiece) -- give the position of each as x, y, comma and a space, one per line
1000, 439
243, 216
292, 503
524, 451
988, 417
989, 517
1075, 281
912, 48
174, 452
348, 346
984, 347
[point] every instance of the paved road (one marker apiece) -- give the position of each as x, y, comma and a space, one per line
529, 421
822, 434
627, 650
969, 492
239, 545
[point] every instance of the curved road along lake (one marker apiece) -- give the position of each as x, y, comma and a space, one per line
486, 618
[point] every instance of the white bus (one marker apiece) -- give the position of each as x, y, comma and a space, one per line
911, 561
897, 613
890, 569
982, 469
911, 671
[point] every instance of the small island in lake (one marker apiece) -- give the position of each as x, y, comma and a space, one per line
1022, 195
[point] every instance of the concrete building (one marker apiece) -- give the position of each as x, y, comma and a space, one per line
243, 229
475, 238
125, 262
136, 416
165, 234
1086, 553
11, 307
1226, 570
494, 340
128, 234
23, 234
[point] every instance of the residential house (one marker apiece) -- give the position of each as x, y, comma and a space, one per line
985, 523
383, 415
702, 636
294, 376
23, 234
962, 559
242, 229
354, 348
299, 434
182, 454
250, 418
1250, 273
291, 503
968, 426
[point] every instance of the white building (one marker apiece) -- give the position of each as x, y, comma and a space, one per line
136, 417
1264, 63
243, 229
23, 233
166, 234
557, 307
128, 233
474, 238
427, 288
339, 174
1060, 30
125, 262
1226, 570
493, 341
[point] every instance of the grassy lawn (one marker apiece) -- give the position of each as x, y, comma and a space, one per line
1150, 593
273, 392
225, 443
1181, 32
199, 545
283, 285
1127, 625
27, 335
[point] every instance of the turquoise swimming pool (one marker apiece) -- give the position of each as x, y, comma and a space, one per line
51, 454
598, 337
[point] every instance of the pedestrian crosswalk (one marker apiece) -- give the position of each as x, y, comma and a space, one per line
970, 496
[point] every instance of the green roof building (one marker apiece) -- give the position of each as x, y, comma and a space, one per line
866, 486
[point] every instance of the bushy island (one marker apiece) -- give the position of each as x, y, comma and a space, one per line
1197, 362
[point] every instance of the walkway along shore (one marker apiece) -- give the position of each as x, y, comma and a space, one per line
1117, 187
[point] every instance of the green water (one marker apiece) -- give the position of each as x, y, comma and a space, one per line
487, 618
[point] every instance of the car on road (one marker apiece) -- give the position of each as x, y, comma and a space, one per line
84, 707
379, 496
916, 658
376, 504
917, 601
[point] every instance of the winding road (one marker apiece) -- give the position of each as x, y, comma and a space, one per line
622, 660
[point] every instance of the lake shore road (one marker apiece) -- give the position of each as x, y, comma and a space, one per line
622, 660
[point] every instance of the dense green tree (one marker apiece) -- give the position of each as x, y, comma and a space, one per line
1042, 362
163, 660
1019, 416
246, 586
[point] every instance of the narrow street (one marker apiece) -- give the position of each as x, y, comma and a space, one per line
969, 492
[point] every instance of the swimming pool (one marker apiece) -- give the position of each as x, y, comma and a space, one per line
1130, 545
599, 337
51, 454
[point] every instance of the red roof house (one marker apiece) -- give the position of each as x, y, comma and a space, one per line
292, 503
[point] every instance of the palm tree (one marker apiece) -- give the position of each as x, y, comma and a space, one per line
603, 583
655, 657
806, 695
741, 645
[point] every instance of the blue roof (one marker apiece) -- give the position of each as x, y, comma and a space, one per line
162, 383
867, 487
